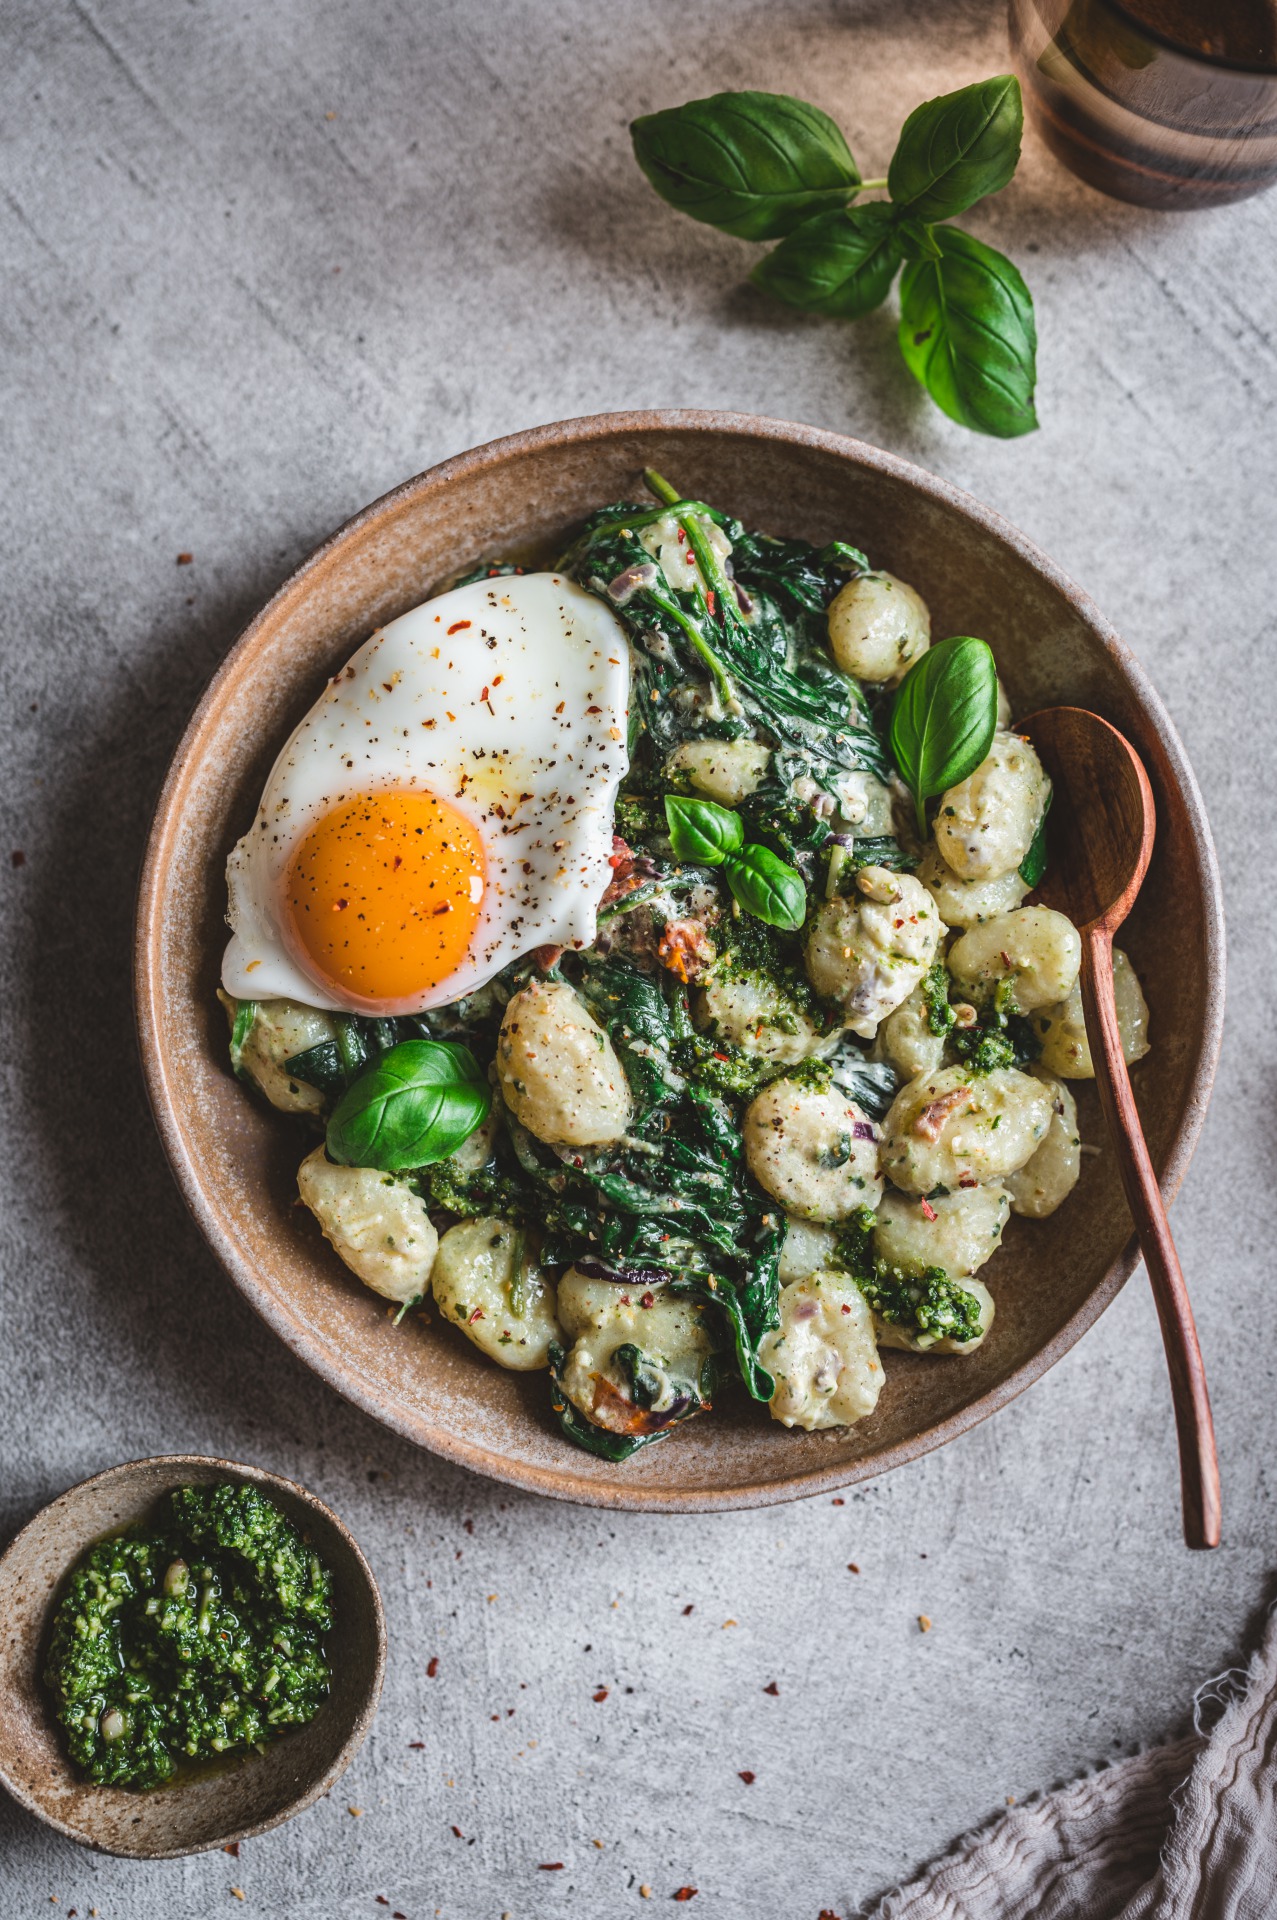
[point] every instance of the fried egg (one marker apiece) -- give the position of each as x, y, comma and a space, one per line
444, 808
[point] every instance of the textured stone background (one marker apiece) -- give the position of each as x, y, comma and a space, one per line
259, 263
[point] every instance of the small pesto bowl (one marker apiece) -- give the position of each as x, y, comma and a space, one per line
243, 1795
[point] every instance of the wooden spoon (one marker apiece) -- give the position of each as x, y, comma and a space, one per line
1101, 838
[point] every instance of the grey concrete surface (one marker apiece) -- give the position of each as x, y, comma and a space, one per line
260, 262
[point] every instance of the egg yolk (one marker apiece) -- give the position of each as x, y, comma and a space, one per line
383, 894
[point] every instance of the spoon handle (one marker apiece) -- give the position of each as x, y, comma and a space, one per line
1199, 1468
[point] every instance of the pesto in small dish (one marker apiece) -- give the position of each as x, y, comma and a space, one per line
195, 1635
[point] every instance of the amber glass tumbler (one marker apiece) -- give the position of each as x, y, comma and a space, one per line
1169, 103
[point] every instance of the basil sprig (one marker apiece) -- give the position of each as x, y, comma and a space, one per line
761, 882
764, 166
944, 718
419, 1103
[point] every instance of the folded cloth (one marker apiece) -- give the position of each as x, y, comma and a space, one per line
1183, 1832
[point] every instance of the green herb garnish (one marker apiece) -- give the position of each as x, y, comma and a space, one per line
419, 1103
762, 883
944, 718
764, 166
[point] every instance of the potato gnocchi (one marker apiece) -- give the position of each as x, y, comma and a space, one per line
778, 1113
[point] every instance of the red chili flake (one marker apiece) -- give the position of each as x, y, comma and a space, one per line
682, 535
468, 1525
594, 709
388, 686
560, 706
852, 1567
478, 1314
837, 1501
720, 1056
688, 1608
497, 681
339, 906
18, 858
773, 1689
550, 1866
648, 1300
686, 1893
417, 1746
396, 1915
928, 1211
185, 559
600, 1695
709, 602
398, 862
232, 1847
746, 1776
457, 1830
846, 1309
826, 1913
432, 1668
458, 626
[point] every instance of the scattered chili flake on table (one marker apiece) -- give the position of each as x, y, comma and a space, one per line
184, 560
356, 1811
924, 1623
852, 1567
686, 1893
746, 1776
826, 1913
432, 1667
551, 1866
837, 1501
238, 1892
689, 1608
600, 1695
458, 1832
773, 1689
232, 1847
645, 1892
417, 1746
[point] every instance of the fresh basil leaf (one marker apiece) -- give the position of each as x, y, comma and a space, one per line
414, 1108
701, 832
840, 263
767, 887
1033, 865
754, 164
944, 718
872, 1084
956, 149
967, 333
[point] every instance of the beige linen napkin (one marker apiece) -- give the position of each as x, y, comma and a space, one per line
1183, 1832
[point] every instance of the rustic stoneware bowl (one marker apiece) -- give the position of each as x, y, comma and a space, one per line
247, 1796
237, 1164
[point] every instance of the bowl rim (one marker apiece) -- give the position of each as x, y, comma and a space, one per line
562, 1483
257, 1476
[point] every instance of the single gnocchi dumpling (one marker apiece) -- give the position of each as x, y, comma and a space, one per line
985, 825
486, 1282
822, 1356
559, 1072
890, 1333
906, 1039
1062, 1029
958, 1231
377, 1224
870, 950
1034, 954
812, 1149
957, 1128
723, 770
1046, 1180
878, 627
806, 1248
279, 1029
642, 1357
965, 903
754, 1013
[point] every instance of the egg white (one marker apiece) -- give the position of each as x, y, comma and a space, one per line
508, 699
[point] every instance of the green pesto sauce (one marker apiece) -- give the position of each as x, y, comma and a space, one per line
197, 1634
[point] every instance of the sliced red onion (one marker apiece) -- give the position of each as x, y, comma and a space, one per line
861, 1130
631, 581
847, 840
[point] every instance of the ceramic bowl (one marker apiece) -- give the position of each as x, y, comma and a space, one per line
247, 1795
237, 1164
